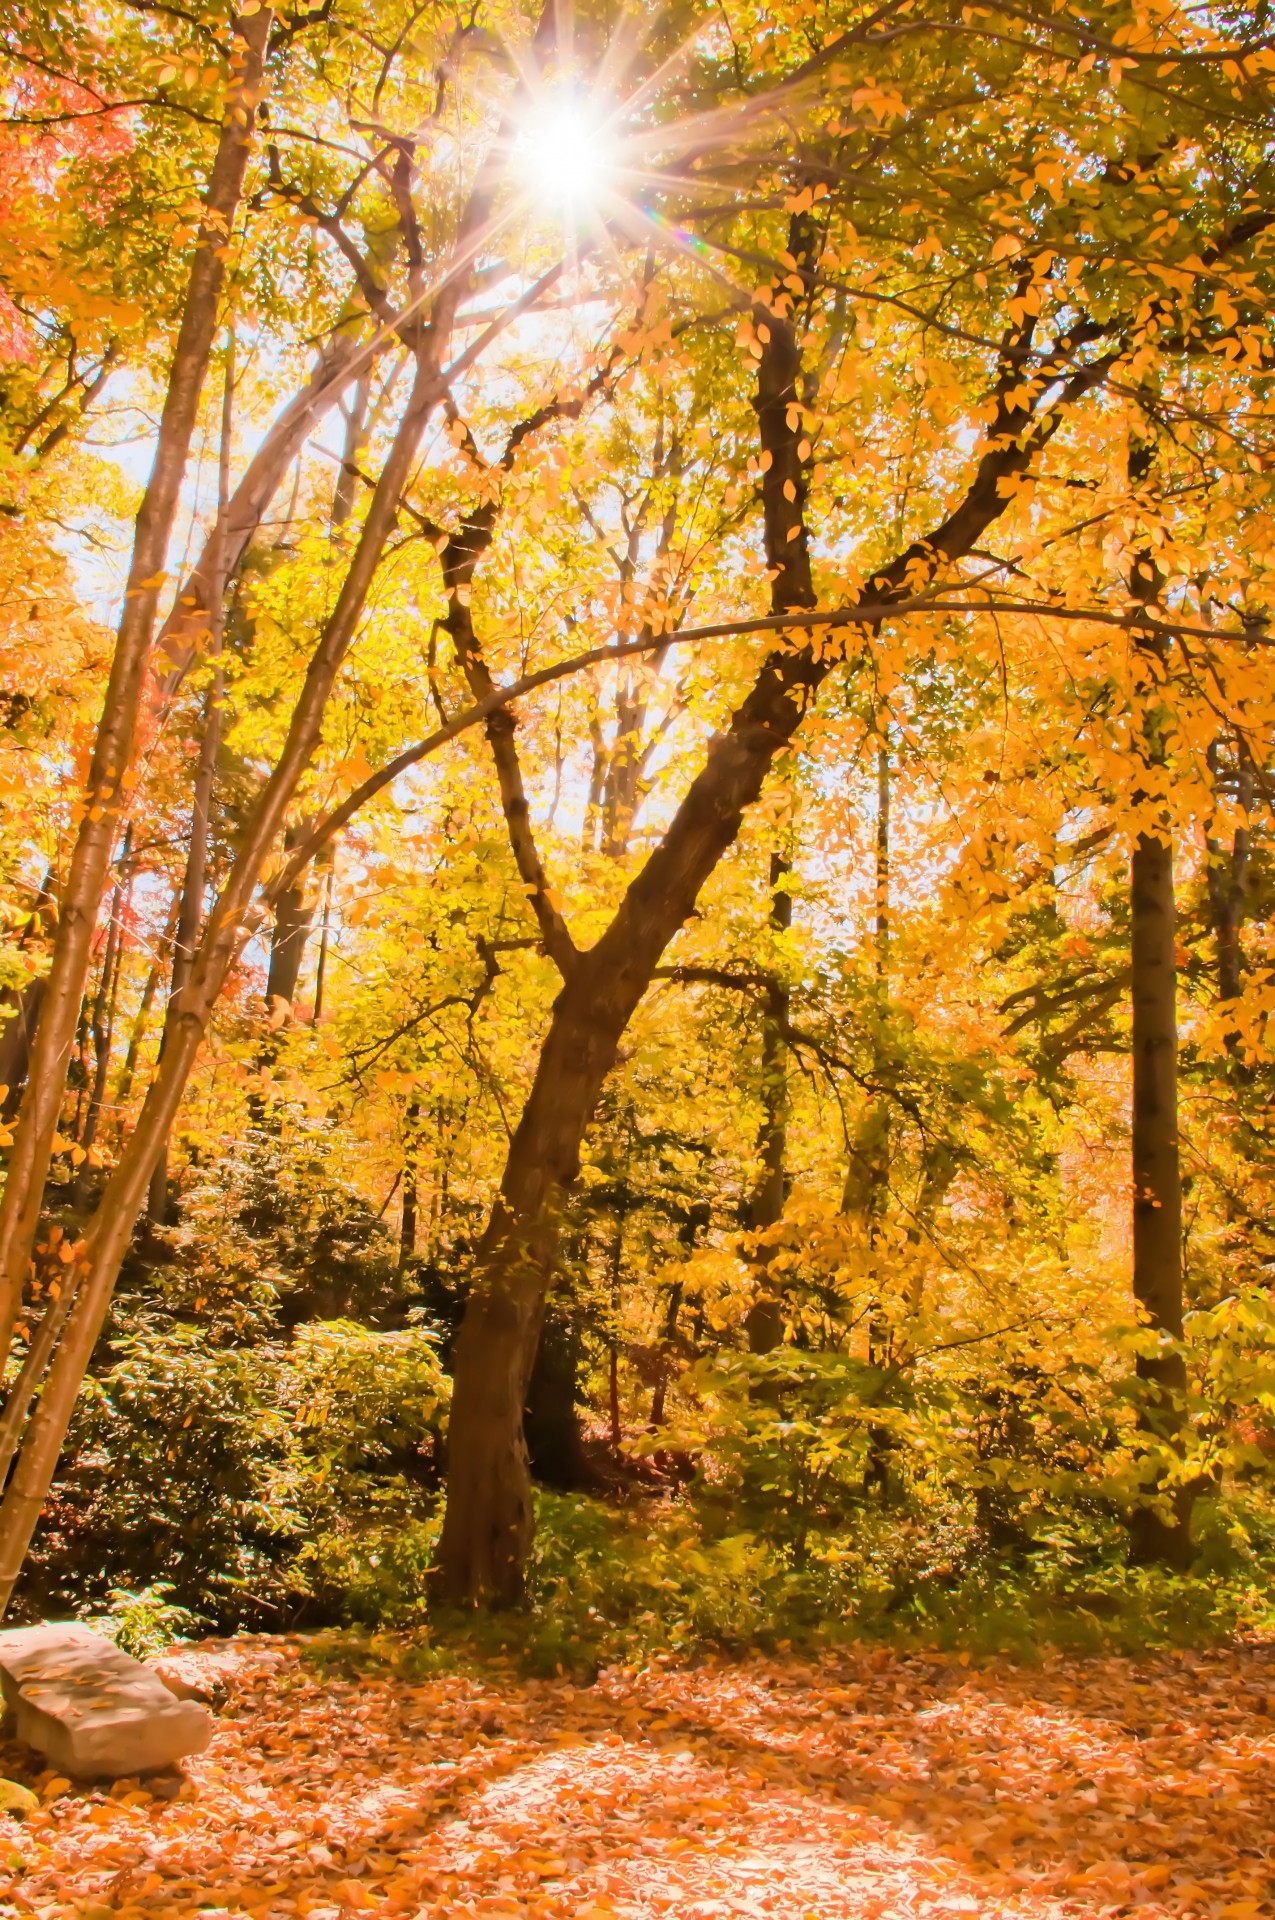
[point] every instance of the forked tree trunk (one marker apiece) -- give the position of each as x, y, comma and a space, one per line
487, 1526
117, 729
488, 1523
1157, 1183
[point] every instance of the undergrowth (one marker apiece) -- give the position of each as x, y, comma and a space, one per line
618, 1587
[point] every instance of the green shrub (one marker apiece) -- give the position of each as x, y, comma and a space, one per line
252, 1484
146, 1623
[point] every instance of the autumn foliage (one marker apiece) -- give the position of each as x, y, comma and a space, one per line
636, 735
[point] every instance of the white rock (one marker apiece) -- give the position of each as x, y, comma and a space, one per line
93, 1711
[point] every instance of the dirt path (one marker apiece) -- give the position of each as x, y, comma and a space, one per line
867, 1785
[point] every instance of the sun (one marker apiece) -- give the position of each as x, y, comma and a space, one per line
565, 155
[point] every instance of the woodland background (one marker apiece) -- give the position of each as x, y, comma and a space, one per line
811, 1076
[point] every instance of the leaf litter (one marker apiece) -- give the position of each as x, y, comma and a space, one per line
862, 1784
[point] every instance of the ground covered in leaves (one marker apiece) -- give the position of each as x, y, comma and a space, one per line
867, 1783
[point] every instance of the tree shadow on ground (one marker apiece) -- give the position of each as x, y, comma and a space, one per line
868, 1785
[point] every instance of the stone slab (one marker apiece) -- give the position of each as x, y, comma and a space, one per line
92, 1710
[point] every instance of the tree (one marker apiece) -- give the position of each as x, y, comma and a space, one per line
806, 443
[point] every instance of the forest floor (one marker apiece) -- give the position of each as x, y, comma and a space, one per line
868, 1783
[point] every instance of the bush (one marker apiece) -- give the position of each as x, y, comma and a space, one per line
251, 1484
145, 1623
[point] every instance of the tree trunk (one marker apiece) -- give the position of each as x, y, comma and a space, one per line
613, 1342
103, 1021
868, 1174
1227, 876
867, 1185
38, 1355
190, 910
660, 1394
293, 919
411, 1157
356, 438
16, 1044
19, 1030
488, 1522
1156, 1538
325, 930
1157, 1185
128, 1071
117, 729
487, 1526
597, 780
190, 906
764, 1323
555, 1443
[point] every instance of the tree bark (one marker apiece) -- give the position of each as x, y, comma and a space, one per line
1156, 1538
660, 1395
190, 906
117, 729
616, 1265
19, 1030
39, 1353
868, 1174
764, 1323
325, 932
867, 1185
128, 1071
293, 920
555, 1441
103, 1020
294, 914
1227, 875
411, 1162
190, 911
1157, 1184
356, 439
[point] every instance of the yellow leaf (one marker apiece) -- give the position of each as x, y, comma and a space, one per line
356, 1895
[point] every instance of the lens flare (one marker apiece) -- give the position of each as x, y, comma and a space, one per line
564, 155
